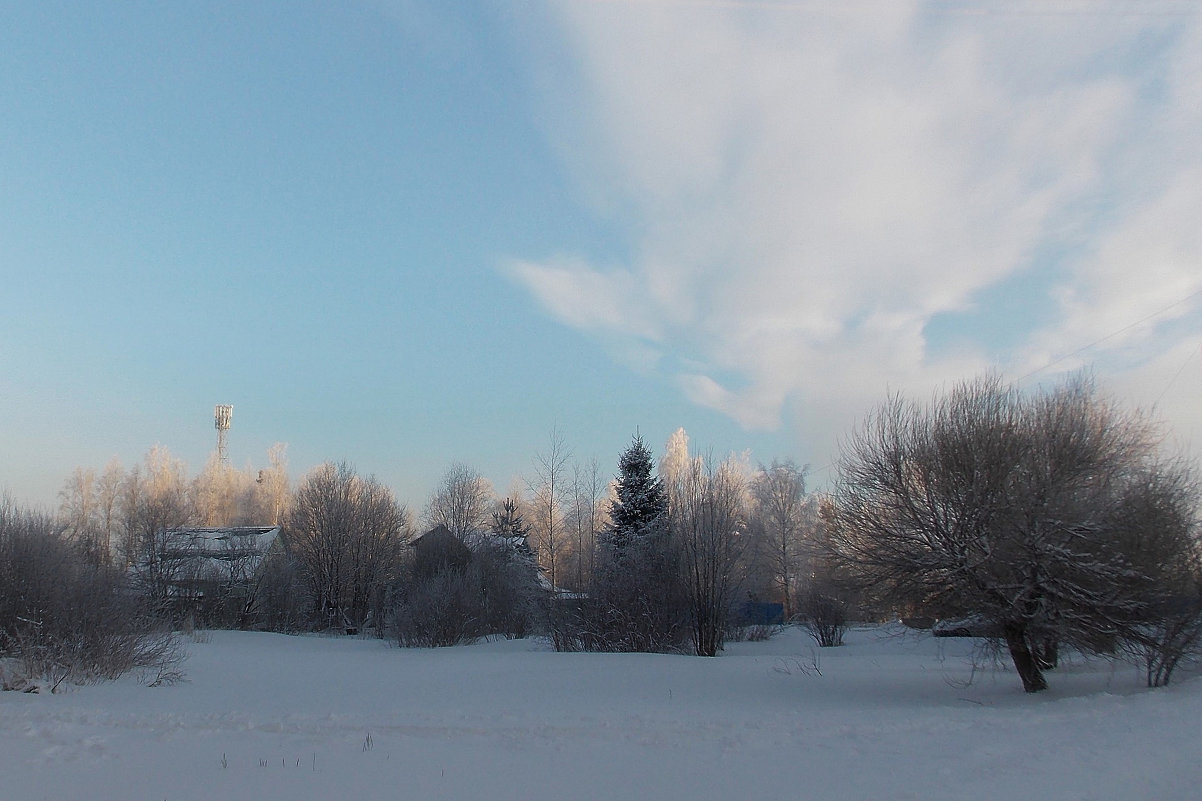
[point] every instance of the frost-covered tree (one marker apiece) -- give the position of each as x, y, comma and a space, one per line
346, 533
638, 591
547, 489
269, 499
510, 575
784, 519
708, 514
509, 526
454, 594
107, 508
462, 502
640, 508
154, 500
78, 514
221, 495
1024, 510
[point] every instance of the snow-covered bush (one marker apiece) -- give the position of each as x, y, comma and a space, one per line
437, 611
824, 616
753, 632
285, 602
65, 618
493, 590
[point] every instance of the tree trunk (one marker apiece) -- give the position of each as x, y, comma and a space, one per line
1047, 655
1024, 661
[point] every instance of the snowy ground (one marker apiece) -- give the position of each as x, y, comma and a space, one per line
265, 716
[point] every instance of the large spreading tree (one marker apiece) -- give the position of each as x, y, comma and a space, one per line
1049, 516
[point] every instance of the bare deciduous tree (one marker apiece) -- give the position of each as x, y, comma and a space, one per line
707, 508
346, 533
1159, 516
784, 519
108, 497
546, 491
1011, 507
585, 517
462, 502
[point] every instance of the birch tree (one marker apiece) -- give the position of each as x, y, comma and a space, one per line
585, 517
547, 488
462, 502
708, 513
154, 500
784, 519
271, 489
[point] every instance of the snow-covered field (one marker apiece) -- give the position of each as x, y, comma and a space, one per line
266, 716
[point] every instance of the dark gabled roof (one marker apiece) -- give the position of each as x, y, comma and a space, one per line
439, 533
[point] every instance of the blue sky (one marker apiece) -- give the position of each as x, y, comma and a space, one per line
409, 233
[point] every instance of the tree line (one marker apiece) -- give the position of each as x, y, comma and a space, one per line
1039, 520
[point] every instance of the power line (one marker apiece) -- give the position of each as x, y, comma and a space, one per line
1176, 375
827, 467
1111, 335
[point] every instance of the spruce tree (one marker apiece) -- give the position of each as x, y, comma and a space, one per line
636, 602
509, 526
641, 506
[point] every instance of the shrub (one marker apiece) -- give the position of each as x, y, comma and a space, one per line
1173, 634
825, 617
440, 610
65, 618
284, 602
753, 632
510, 591
495, 592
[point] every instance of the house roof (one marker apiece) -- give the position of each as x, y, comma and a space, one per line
227, 541
439, 532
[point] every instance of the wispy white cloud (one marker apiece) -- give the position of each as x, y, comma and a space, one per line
585, 298
806, 185
1131, 273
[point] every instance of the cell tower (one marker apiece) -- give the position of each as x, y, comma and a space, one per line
222, 415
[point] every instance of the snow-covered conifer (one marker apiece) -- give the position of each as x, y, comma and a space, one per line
641, 505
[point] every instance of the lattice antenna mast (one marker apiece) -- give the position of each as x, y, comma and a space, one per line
222, 415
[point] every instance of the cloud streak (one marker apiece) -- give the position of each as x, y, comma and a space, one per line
805, 188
